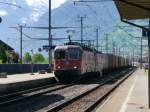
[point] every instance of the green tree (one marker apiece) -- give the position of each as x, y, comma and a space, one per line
38, 58
46, 60
3, 56
9, 56
27, 57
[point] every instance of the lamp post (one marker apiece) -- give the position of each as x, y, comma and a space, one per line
149, 65
50, 35
32, 65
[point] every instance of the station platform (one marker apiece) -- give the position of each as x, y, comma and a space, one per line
131, 96
19, 82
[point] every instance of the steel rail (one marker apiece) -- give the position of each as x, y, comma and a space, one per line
74, 99
100, 99
24, 95
27, 90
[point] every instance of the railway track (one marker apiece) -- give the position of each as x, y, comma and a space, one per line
89, 99
57, 97
5, 100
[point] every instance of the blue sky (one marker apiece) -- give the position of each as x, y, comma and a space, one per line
34, 13
30, 13
37, 7
55, 3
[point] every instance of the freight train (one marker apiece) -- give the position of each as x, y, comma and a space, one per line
74, 60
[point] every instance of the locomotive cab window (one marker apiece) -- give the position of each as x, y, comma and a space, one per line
74, 53
59, 54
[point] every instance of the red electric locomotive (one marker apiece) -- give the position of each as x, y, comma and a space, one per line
73, 60
67, 62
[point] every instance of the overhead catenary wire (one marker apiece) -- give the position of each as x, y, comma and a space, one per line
110, 15
36, 39
10, 4
42, 28
96, 16
102, 18
130, 35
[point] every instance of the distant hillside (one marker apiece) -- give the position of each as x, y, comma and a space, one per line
103, 15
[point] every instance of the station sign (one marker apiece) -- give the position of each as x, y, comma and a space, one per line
47, 47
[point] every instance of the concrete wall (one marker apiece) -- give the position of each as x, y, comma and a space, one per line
18, 68
20, 86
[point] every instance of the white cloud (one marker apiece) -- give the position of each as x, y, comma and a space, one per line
3, 13
40, 7
40, 3
57, 3
37, 3
34, 16
14, 2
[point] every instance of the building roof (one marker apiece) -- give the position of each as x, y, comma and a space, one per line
6, 46
133, 9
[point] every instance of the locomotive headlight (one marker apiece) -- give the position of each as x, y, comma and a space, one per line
58, 67
75, 67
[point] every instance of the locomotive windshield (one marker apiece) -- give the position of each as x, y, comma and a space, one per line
59, 54
74, 53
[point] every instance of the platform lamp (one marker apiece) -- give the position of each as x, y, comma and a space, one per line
32, 65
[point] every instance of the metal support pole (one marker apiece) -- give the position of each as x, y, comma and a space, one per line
81, 25
133, 58
50, 36
141, 55
69, 37
113, 46
123, 52
119, 51
119, 56
32, 64
81, 30
149, 66
21, 44
107, 43
97, 39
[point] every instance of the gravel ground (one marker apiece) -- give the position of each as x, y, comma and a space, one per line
3, 99
49, 100
81, 104
45, 100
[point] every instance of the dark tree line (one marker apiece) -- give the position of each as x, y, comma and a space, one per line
8, 56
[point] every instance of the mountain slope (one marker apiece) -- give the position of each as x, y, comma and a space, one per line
103, 15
